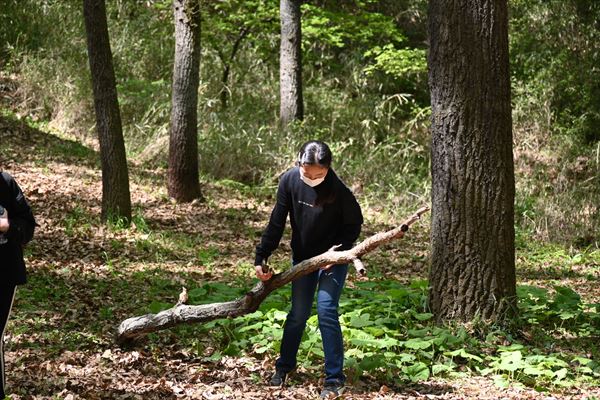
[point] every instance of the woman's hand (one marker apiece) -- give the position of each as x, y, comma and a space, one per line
326, 267
4, 224
262, 275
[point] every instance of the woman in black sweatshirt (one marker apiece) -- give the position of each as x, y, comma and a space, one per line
323, 213
16, 229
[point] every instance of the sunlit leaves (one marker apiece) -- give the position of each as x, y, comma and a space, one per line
340, 29
397, 62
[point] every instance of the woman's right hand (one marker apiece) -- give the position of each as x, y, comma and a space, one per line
4, 223
261, 275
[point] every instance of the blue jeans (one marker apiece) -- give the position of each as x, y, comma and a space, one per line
330, 284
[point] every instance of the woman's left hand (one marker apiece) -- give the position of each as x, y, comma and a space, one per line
263, 276
325, 268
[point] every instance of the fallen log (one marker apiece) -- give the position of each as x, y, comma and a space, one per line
134, 327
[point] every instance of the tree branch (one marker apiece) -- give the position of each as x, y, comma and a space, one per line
135, 327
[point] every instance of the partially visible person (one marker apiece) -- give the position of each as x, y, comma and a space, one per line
323, 212
16, 229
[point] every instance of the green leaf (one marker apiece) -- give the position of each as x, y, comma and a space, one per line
317, 351
406, 357
397, 63
582, 360
279, 315
566, 298
565, 315
532, 292
423, 316
377, 332
254, 326
371, 363
355, 352
254, 315
501, 381
418, 332
417, 372
422, 284
397, 294
512, 347
560, 374
545, 360
437, 369
464, 354
361, 321
377, 343
537, 371
262, 349
511, 361
417, 343
215, 357
445, 339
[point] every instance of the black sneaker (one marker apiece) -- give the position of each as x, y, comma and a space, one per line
332, 390
278, 378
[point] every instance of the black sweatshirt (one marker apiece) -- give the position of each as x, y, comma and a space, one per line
314, 228
22, 225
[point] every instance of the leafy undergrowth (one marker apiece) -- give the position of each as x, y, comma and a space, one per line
85, 278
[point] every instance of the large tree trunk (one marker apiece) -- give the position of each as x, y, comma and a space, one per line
134, 327
183, 179
473, 255
116, 199
290, 62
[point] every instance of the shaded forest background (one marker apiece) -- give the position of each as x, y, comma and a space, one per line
365, 79
366, 94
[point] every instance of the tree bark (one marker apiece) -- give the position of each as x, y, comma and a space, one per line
116, 199
183, 177
290, 62
227, 63
472, 233
137, 326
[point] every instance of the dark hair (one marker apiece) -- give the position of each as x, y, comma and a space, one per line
314, 152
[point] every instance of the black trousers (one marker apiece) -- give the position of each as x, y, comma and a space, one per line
7, 295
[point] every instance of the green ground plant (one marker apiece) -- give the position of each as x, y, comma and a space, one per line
390, 336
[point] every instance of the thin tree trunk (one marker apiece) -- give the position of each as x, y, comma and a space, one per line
183, 177
227, 63
290, 62
134, 327
473, 255
224, 89
116, 199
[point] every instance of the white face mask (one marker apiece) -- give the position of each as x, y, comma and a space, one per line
311, 182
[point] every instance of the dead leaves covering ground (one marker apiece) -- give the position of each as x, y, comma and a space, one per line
85, 278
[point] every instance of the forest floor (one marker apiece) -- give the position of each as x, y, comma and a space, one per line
85, 278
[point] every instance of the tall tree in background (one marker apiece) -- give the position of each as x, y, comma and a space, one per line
290, 62
472, 232
116, 199
183, 179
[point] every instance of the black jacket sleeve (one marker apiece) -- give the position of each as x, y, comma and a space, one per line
274, 230
352, 220
20, 217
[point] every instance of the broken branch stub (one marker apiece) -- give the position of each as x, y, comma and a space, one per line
135, 327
